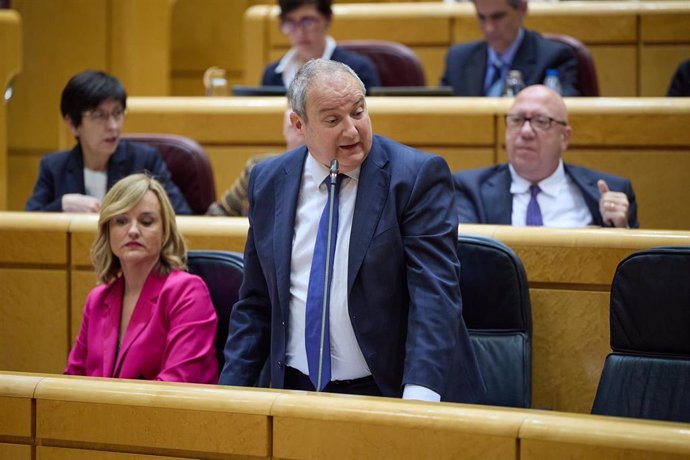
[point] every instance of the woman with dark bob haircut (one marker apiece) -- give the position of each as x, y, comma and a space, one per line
306, 23
148, 318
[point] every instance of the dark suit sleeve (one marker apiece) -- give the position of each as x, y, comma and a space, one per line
368, 74
566, 63
680, 83
246, 349
44, 197
160, 171
466, 206
429, 231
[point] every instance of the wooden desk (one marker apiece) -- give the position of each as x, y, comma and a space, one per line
46, 274
635, 45
86, 418
10, 66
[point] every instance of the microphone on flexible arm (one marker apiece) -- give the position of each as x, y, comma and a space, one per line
334, 168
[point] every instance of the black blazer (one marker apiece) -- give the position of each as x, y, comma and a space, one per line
466, 64
483, 195
362, 66
63, 172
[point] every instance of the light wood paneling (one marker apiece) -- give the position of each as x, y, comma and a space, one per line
15, 451
10, 66
658, 63
58, 453
153, 417
318, 426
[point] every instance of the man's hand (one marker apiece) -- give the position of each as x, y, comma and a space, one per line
613, 206
76, 202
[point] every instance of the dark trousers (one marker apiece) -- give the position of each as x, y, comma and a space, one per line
295, 380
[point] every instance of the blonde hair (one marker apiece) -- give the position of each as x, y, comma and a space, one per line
121, 198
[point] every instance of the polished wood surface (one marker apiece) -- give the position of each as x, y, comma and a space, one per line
95, 418
10, 67
569, 274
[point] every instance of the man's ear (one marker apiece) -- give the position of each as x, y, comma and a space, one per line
296, 122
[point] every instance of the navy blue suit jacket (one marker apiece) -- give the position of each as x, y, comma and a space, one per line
403, 292
63, 172
466, 65
483, 195
363, 67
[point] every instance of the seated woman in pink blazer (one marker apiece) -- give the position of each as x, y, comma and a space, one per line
148, 319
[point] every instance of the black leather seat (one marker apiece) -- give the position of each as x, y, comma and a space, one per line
223, 272
648, 373
497, 312
188, 164
396, 64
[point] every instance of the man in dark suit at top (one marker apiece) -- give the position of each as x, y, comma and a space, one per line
480, 68
394, 315
536, 187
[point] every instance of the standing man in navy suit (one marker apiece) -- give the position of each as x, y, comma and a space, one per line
479, 68
395, 313
537, 134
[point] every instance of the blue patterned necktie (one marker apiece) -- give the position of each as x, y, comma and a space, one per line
533, 210
496, 84
317, 338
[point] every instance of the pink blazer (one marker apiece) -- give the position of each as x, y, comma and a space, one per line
170, 335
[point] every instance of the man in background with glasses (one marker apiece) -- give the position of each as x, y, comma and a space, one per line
93, 106
306, 23
536, 187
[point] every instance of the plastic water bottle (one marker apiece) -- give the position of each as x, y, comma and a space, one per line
552, 81
514, 84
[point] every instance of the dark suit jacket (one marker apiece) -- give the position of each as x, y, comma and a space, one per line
483, 195
63, 172
680, 83
362, 66
466, 65
403, 292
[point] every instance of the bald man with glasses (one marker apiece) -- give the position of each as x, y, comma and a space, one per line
536, 187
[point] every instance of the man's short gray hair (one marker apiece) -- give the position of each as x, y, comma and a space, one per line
297, 92
514, 4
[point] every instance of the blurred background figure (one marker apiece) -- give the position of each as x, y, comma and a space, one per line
148, 318
536, 187
306, 23
93, 105
680, 83
480, 68
234, 201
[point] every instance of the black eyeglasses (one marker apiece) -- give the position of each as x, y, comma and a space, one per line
288, 26
538, 122
100, 117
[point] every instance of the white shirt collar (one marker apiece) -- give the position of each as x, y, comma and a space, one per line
551, 186
318, 172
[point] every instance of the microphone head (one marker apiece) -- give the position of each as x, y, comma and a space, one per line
335, 167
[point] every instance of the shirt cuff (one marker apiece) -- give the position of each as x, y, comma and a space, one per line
421, 393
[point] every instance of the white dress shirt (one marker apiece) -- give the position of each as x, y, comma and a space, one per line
95, 183
560, 200
347, 361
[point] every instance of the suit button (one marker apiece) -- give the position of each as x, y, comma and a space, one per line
280, 364
283, 323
